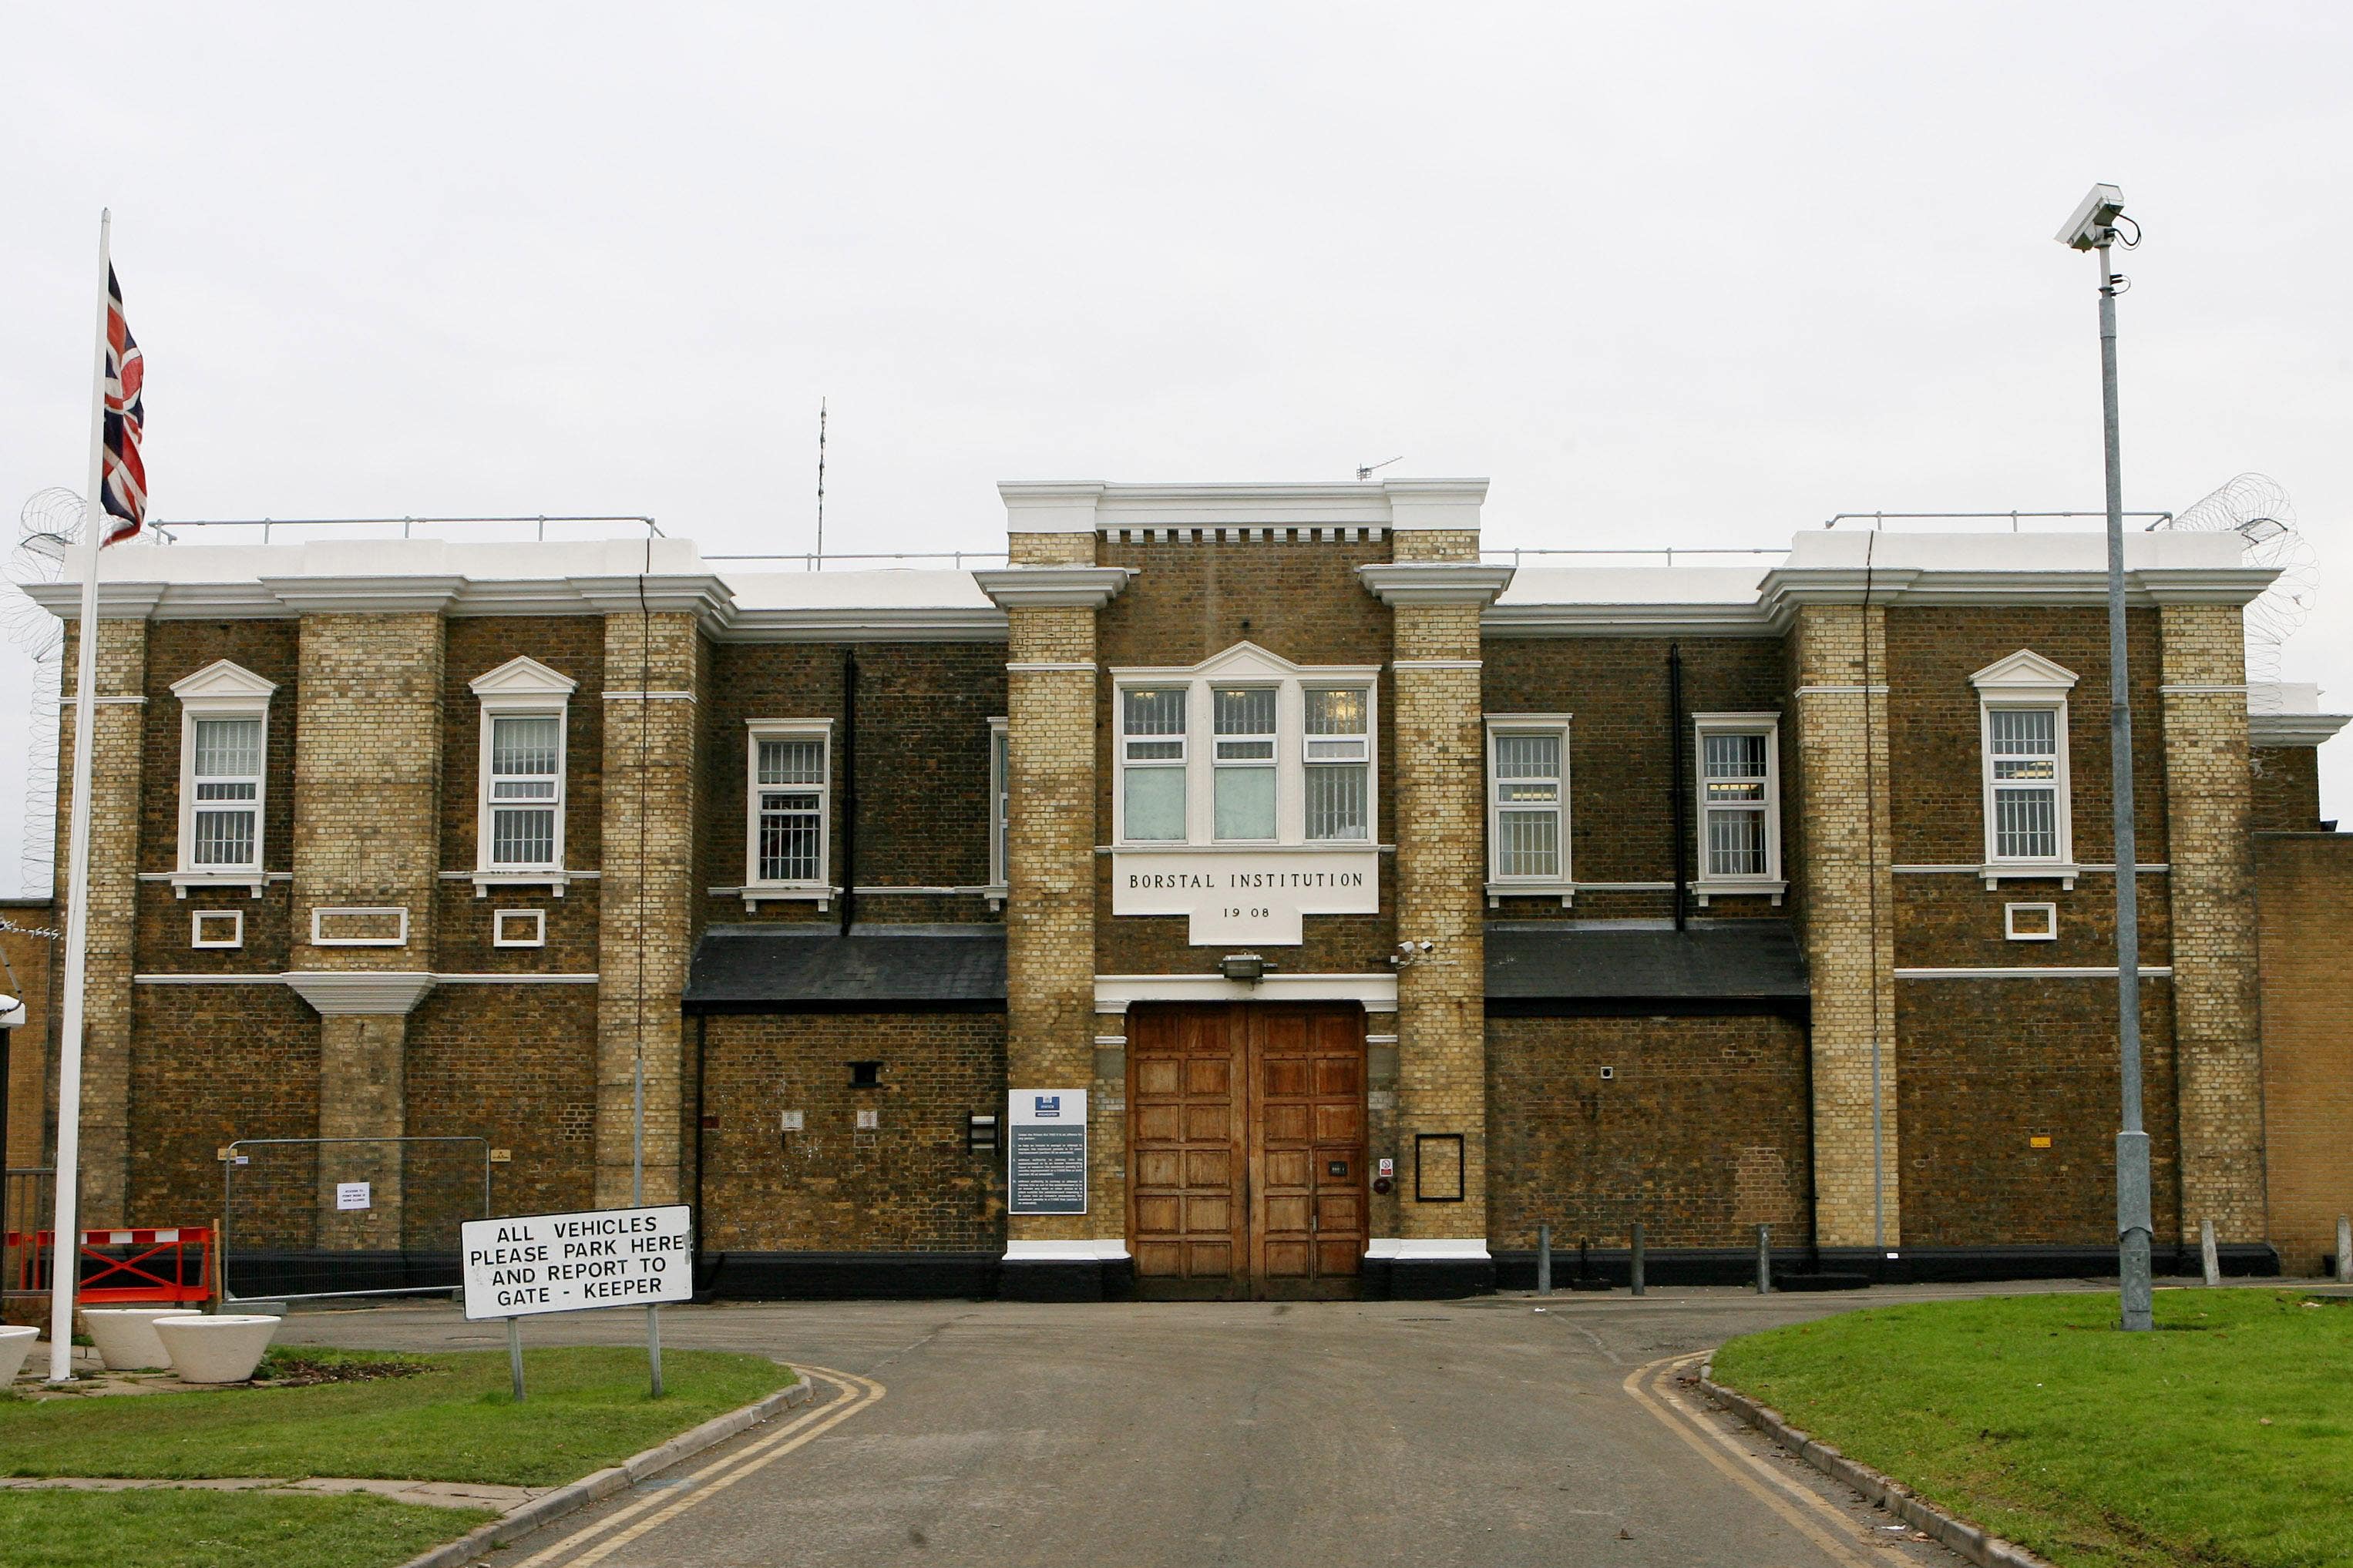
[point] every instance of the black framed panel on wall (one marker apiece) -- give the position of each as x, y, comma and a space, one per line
1438, 1167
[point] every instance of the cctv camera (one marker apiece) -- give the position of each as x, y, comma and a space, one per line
2093, 217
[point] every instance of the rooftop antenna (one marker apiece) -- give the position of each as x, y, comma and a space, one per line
2255, 506
819, 565
1366, 470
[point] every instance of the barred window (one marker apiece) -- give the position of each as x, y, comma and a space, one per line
1339, 763
224, 773
2023, 769
1739, 805
1527, 797
523, 779
789, 788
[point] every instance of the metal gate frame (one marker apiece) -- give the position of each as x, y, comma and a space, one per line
228, 1212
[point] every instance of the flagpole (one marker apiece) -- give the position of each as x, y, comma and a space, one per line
65, 1243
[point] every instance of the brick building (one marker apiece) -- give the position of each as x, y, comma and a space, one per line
1323, 906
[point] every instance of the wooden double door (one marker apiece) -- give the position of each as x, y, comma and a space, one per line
1246, 1150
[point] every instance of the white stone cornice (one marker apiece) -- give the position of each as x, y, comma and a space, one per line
1435, 582
1566, 620
2294, 729
371, 596
1052, 587
116, 601
343, 993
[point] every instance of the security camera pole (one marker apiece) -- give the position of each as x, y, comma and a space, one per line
2093, 228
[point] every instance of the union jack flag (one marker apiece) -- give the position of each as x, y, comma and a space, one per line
124, 489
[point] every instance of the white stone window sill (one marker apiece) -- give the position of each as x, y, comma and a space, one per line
251, 881
553, 880
1997, 872
782, 893
1565, 891
1747, 888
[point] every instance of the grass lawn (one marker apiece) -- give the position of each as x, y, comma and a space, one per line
455, 1421
2225, 1437
219, 1530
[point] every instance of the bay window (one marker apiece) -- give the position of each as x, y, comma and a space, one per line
1246, 748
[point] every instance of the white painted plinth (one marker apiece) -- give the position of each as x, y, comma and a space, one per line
15, 1345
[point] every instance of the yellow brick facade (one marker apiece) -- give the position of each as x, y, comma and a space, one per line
647, 919
1839, 670
2217, 1032
117, 780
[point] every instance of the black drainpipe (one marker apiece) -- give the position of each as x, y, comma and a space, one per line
849, 787
706, 1268
1675, 790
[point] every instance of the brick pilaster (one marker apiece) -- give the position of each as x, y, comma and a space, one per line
1441, 834
2217, 1039
367, 825
1843, 796
116, 781
1049, 918
646, 897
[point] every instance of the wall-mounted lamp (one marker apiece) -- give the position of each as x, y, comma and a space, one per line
1248, 968
980, 1134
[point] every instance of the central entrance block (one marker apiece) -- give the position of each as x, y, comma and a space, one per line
1246, 1150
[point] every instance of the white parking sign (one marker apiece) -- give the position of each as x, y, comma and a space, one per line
527, 1264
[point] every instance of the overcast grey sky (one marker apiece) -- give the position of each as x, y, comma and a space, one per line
1698, 276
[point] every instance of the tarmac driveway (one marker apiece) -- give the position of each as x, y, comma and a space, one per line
1325, 1435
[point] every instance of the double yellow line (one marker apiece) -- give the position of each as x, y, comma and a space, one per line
1804, 1509
852, 1393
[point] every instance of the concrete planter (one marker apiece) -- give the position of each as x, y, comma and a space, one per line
125, 1336
15, 1345
216, 1349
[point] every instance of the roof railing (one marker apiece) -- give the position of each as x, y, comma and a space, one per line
1518, 555
955, 559
408, 525
1879, 519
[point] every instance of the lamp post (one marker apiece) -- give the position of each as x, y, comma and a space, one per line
2093, 228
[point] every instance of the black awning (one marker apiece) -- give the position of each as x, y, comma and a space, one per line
1717, 966
810, 967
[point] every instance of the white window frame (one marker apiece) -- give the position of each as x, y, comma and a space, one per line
1000, 811
1219, 764
819, 889
1247, 664
235, 937
1772, 884
534, 934
2048, 910
1563, 883
522, 687
2027, 681
222, 690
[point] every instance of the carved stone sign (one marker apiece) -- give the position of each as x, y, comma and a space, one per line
1250, 897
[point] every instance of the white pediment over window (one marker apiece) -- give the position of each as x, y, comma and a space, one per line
2023, 673
223, 680
1247, 661
523, 677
